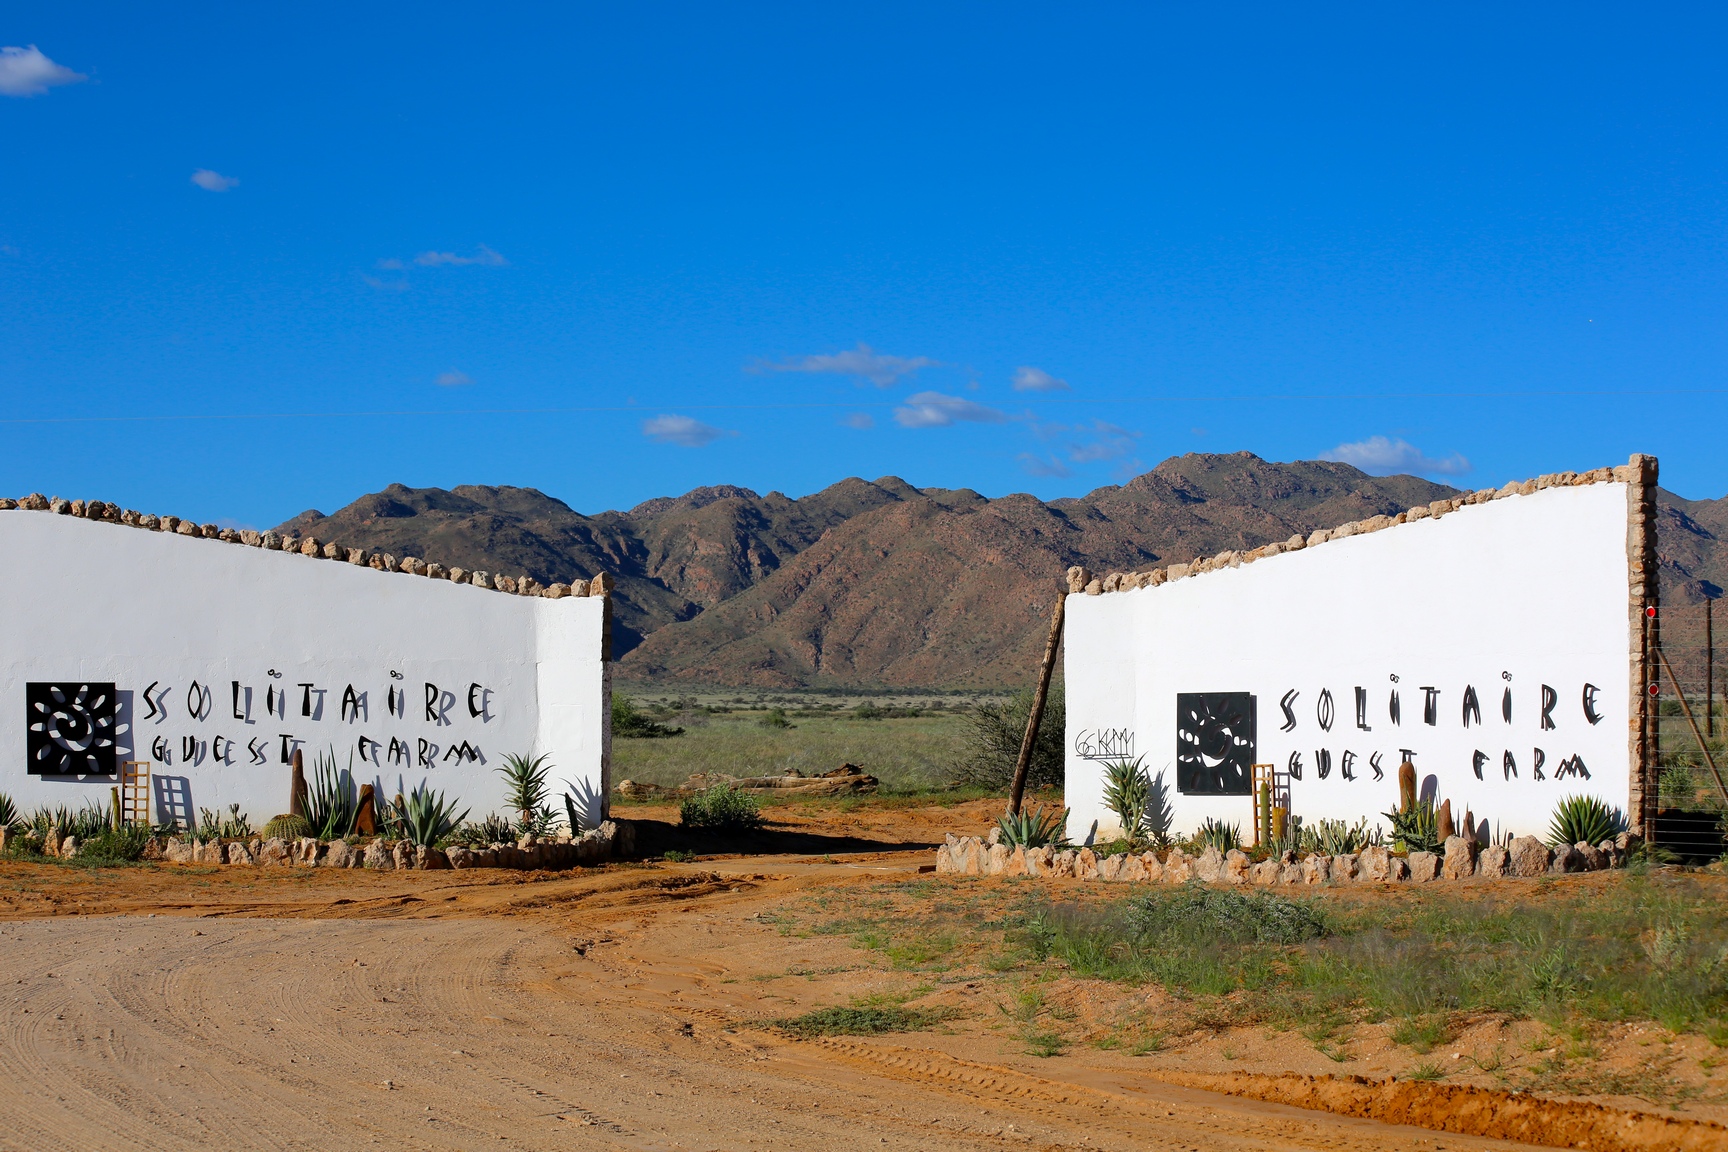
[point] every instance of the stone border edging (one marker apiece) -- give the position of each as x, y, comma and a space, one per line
601, 585
1525, 856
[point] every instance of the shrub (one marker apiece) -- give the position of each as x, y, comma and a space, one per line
775, 718
631, 724
1416, 828
860, 1021
230, 827
1033, 828
1212, 915
495, 829
1127, 792
114, 846
287, 828
1585, 819
721, 808
999, 727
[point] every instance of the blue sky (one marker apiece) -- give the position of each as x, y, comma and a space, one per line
258, 259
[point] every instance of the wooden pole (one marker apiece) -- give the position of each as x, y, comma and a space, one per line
1709, 675
1036, 717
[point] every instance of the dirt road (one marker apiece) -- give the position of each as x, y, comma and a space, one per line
172, 1007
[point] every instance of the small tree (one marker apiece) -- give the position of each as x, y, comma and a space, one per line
993, 745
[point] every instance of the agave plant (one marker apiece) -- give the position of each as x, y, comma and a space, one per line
1416, 828
1219, 835
1585, 820
8, 811
525, 783
1128, 792
330, 798
427, 817
1034, 828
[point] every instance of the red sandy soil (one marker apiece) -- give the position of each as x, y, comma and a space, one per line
631, 1006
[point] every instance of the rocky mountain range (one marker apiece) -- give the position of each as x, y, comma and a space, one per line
879, 583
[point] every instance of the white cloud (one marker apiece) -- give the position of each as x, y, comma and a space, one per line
1030, 379
453, 379
879, 368
859, 420
385, 285
1381, 456
1048, 466
934, 410
390, 264
682, 430
26, 72
212, 181
1101, 441
482, 255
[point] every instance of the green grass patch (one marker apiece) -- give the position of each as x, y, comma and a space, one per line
861, 1021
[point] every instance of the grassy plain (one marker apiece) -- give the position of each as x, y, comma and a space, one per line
907, 752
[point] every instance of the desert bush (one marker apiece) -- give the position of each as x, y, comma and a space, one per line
495, 829
629, 722
997, 730
870, 1021
233, 826
114, 846
1034, 828
775, 718
721, 808
1585, 819
1212, 915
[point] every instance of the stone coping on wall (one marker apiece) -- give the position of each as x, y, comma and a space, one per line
1461, 860
1082, 580
600, 585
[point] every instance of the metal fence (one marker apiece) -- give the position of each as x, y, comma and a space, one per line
1693, 732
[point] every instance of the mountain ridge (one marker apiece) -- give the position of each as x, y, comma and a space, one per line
883, 584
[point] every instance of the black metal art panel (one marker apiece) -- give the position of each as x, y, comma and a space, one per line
69, 729
1215, 743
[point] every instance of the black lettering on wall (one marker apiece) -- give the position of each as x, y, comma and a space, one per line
1362, 710
162, 751
1394, 710
256, 747
1323, 762
1549, 699
399, 752
483, 709
1536, 763
1508, 766
1289, 714
1506, 704
158, 711
1323, 710
428, 754
1430, 705
1346, 765
1472, 707
310, 706
1294, 767
198, 701
465, 751
222, 749
368, 749
1476, 761
354, 707
1589, 701
288, 746
1374, 763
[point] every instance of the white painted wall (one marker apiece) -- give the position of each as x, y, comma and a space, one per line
93, 601
1532, 586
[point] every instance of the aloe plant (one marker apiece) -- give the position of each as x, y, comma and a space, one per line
1127, 792
1335, 837
525, 784
1034, 828
330, 798
1219, 835
1585, 820
1416, 828
427, 817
